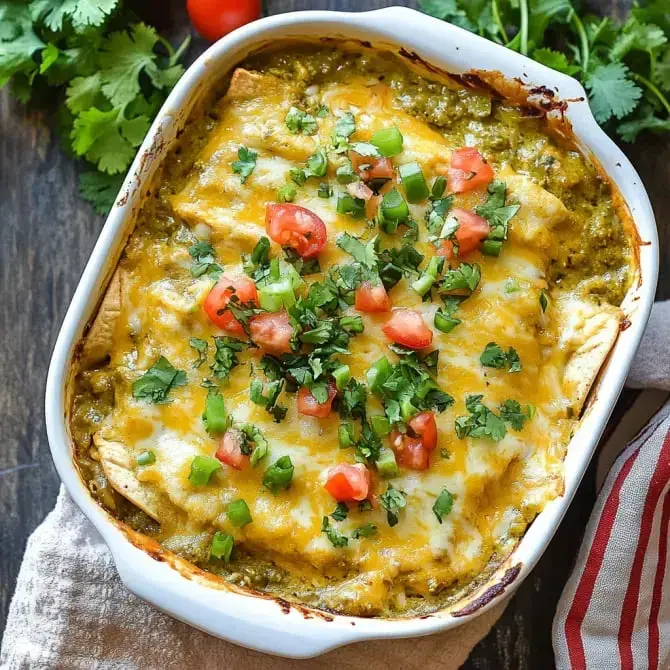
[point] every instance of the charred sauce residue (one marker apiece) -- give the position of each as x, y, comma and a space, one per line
492, 592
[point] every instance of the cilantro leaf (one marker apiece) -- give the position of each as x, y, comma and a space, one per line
225, 356
393, 501
155, 384
481, 421
365, 254
81, 13
494, 357
465, 277
512, 413
204, 262
637, 36
341, 511
345, 125
246, 163
611, 92
201, 347
366, 530
495, 211
298, 121
336, 538
100, 189
443, 504
555, 60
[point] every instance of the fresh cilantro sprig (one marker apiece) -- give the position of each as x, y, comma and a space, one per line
156, 383
624, 66
108, 74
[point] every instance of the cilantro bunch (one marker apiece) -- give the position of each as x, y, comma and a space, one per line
108, 72
625, 67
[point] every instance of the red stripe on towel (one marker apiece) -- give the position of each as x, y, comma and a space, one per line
582, 598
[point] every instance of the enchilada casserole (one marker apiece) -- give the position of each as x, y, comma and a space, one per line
345, 348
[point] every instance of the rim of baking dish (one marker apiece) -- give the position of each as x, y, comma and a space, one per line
262, 623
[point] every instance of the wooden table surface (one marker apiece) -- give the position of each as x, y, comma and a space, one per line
46, 235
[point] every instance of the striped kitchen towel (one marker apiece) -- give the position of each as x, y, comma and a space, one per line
615, 609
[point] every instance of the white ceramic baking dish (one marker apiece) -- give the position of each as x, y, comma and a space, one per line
264, 623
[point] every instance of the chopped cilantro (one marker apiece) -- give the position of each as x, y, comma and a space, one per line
480, 422
204, 260
465, 277
336, 538
255, 443
493, 356
201, 347
286, 193
496, 212
246, 163
366, 530
155, 384
298, 121
345, 125
341, 511
443, 504
512, 413
393, 501
268, 400
225, 356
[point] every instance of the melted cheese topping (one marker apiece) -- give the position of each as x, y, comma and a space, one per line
498, 487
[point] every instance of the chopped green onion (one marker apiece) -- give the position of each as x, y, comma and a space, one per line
345, 435
386, 463
261, 252
354, 324
276, 295
279, 475
317, 164
378, 373
423, 284
202, 468
222, 546
342, 376
445, 323
393, 207
286, 193
438, 188
215, 417
380, 425
491, 247
347, 204
146, 458
388, 141
325, 190
298, 176
407, 410
238, 513
413, 182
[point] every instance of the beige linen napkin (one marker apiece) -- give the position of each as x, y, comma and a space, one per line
71, 611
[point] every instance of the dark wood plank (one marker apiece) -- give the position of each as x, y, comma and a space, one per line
46, 235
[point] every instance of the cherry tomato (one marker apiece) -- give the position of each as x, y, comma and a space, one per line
296, 227
472, 229
424, 426
370, 168
410, 452
215, 18
308, 405
408, 328
272, 332
230, 449
468, 170
220, 295
348, 482
371, 298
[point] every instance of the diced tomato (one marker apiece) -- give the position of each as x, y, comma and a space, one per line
372, 298
296, 227
408, 328
230, 449
308, 405
370, 168
220, 295
359, 190
410, 451
472, 229
272, 332
468, 170
348, 482
425, 427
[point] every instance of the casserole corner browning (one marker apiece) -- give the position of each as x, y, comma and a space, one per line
523, 318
